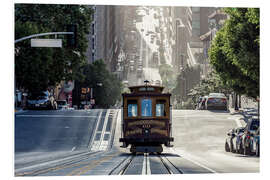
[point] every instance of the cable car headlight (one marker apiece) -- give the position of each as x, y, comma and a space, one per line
146, 131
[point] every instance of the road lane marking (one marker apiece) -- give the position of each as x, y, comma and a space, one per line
93, 164
146, 165
93, 143
53, 116
102, 145
97, 144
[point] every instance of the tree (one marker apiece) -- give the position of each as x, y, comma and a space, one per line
234, 52
106, 86
186, 80
167, 76
212, 83
37, 69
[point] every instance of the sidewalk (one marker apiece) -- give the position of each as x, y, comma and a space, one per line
246, 113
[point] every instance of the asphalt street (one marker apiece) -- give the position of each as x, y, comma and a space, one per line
198, 146
200, 135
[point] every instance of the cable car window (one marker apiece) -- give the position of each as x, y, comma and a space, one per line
160, 108
132, 108
146, 107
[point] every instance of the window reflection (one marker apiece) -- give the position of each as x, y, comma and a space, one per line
132, 108
146, 107
160, 108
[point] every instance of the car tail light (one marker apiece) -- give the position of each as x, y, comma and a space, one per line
210, 99
248, 135
224, 100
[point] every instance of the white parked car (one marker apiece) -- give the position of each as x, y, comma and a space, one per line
62, 104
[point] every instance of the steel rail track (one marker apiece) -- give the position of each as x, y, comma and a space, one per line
123, 169
170, 167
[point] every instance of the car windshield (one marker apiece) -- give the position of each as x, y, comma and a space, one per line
216, 95
61, 102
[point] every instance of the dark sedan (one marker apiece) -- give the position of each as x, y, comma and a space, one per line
216, 101
41, 100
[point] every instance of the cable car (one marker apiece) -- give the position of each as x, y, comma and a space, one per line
146, 119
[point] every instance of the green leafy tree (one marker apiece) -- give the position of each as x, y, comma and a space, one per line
234, 52
212, 83
106, 86
39, 68
167, 76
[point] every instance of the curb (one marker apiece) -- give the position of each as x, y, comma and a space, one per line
18, 111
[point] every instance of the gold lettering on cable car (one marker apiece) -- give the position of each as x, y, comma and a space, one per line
148, 123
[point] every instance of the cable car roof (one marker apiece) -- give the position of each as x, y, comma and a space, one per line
146, 88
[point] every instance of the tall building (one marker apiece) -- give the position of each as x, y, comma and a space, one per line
197, 20
215, 21
103, 38
190, 24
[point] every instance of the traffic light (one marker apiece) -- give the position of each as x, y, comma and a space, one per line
72, 38
83, 90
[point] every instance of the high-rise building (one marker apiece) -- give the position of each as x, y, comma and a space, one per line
103, 39
215, 21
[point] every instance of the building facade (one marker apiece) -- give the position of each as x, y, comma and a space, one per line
103, 38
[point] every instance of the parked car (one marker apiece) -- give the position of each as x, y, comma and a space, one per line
216, 101
62, 104
255, 142
237, 141
229, 141
198, 102
41, 100
252, 125
202, 103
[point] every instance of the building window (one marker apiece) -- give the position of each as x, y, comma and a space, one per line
196, 17
93, 56
195, 9
93, 28
93, 43
196, 24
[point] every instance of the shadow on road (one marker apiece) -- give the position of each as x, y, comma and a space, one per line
219, 111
